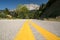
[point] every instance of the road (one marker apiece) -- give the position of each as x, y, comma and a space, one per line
29, 29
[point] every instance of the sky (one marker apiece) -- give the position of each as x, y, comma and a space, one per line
12, 4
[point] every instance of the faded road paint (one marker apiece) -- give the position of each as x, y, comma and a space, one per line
22, 30
48, 35
25, 33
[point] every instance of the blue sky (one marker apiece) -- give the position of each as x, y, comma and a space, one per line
12, 4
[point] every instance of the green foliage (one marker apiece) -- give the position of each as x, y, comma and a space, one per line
6, 11
36, 16
40, 11
31, 15
22, 11
2, 15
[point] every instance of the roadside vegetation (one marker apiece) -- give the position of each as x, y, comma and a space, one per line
22, 12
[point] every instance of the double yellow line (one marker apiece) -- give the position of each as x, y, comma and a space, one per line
25, 33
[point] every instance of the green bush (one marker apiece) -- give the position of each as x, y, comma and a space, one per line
2, 15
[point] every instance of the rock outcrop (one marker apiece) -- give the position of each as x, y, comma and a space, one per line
52, 9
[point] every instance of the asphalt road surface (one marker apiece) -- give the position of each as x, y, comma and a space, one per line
10, 28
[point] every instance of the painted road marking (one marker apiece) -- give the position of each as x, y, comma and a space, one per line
25, 33
45, 33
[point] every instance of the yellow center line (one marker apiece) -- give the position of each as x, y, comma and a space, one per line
45, 33
25, 33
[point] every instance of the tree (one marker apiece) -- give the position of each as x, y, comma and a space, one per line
22, 11
41, 10
2, 15
6, 11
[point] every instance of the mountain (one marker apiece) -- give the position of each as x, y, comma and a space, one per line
32, 6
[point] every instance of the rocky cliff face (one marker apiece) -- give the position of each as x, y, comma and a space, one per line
52, 11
